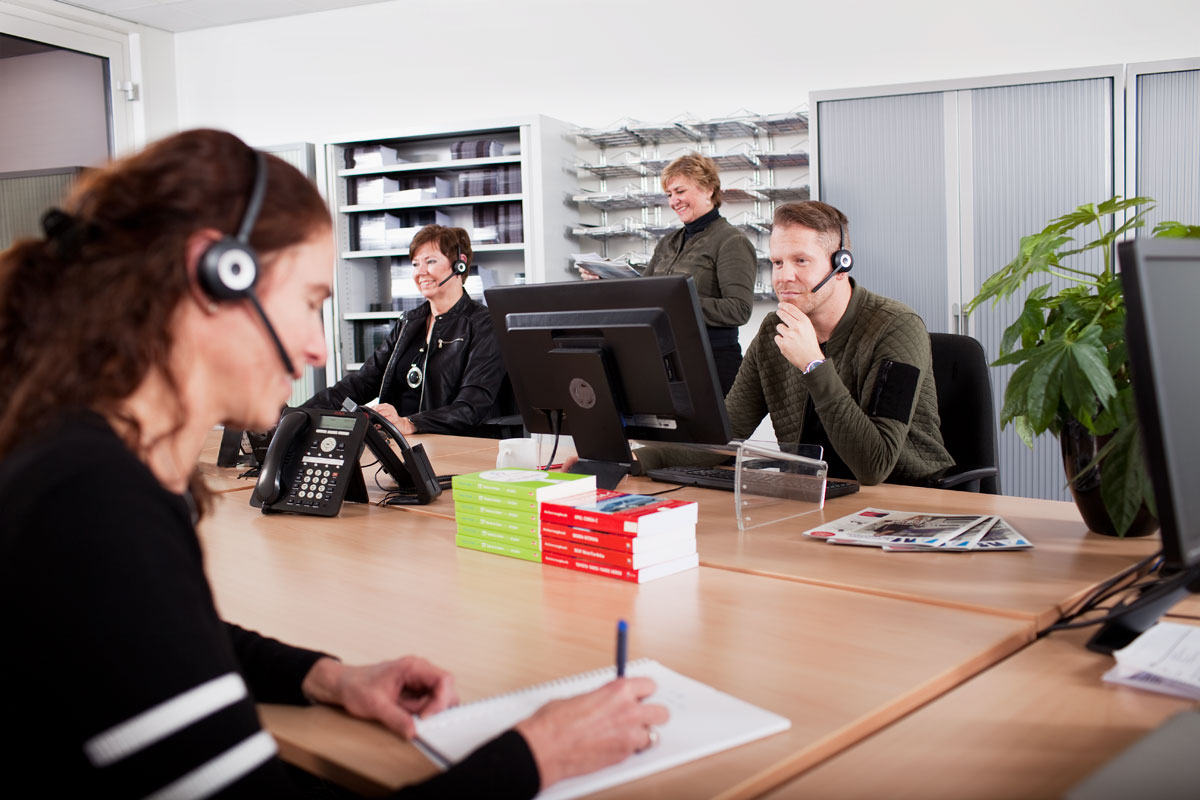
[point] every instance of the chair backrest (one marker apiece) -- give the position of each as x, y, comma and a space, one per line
964, 395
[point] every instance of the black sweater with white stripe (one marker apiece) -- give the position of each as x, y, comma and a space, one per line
120, 678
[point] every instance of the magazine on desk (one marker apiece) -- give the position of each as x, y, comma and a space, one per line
920, 531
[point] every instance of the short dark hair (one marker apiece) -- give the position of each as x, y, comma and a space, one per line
820, 217
453, 242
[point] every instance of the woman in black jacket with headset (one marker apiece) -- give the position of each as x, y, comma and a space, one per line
440, 369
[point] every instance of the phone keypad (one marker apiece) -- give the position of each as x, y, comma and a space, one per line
322, 466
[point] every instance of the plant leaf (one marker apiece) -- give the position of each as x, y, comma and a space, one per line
1176, 230
1045, 384
1090, 356
1122, 478
1024, 430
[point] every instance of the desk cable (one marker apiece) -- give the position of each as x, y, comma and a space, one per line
1113, 587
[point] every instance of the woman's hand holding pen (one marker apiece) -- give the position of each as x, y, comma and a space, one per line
594, 730
392, 692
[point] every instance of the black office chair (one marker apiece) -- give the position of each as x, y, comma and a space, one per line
964, 396
508, 423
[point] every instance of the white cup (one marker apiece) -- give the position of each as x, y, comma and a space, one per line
521, 453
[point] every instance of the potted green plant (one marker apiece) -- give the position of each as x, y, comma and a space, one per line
1072, 377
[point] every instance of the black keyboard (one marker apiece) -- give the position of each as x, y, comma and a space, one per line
722, 478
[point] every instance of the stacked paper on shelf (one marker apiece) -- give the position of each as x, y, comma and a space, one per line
915, 531
632, 537
375, 231
504, 179
375, 155
505, 218
375, 189
476, 148
497, 510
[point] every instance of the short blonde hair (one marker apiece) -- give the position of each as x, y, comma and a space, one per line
820, 217
701, 170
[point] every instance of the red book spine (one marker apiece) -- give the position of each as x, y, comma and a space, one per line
598, 555
565, 515
588, 567
611, 541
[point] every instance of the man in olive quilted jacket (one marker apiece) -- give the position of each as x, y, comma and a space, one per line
837, 365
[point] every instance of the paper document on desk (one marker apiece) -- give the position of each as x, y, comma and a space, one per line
917, 531
605, 268
876, 527
703, 721
1166, 658
993, 533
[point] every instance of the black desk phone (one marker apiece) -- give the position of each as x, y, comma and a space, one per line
311, 466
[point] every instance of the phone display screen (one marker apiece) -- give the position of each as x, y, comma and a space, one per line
337, 423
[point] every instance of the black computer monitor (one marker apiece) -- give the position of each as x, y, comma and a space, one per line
1161, 279
609, 361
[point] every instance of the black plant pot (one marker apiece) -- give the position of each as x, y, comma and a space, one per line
1079, 448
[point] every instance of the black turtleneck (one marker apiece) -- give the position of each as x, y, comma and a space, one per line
690, 229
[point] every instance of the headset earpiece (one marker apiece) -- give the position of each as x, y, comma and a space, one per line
843, 261
460, 266
228, 268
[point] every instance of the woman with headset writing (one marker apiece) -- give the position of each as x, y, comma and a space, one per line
180, 288
439, 371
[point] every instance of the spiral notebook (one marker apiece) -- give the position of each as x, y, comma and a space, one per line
703, 721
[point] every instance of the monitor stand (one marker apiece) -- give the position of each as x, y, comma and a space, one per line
1144, 611
592, 413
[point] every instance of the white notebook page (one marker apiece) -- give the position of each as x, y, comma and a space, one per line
703, 721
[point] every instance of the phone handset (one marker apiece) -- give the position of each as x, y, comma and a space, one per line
270, 477
412, 470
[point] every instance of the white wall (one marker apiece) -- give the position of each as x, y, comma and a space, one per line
52, 111
435, 62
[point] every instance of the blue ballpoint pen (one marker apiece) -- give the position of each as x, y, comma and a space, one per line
622, 629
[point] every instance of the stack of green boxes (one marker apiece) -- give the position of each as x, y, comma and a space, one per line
497, 509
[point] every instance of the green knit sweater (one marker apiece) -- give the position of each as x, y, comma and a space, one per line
721, 261
889, 431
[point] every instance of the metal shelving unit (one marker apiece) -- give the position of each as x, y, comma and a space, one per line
763, 160
516, 182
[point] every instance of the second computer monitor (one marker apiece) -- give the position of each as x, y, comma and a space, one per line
609, 361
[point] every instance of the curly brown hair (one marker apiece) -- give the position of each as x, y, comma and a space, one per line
699, 169
86, 312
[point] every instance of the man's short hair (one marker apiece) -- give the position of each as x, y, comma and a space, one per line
453, 242
820, 217
701, 170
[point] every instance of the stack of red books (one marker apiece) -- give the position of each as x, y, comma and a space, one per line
632, 537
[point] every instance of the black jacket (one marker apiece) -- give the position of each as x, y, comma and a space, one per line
463, 376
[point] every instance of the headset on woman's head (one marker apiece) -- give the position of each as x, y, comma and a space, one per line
228, 268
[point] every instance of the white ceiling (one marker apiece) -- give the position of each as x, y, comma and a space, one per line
190, 15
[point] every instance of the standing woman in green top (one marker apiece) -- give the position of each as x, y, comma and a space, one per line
717, 255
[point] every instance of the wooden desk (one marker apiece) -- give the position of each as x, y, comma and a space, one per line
1032, 726
374, 584
1035, 585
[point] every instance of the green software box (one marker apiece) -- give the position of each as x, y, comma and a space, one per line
484, 517
498, 547
525, 484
